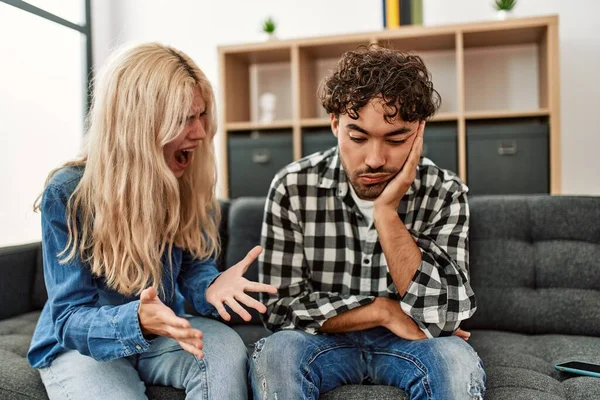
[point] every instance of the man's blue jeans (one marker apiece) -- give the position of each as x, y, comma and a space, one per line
221, 374
291, 365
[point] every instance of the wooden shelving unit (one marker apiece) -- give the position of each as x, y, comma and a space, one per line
468, 65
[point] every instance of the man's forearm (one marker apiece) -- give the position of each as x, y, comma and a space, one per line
400, 250
357, 319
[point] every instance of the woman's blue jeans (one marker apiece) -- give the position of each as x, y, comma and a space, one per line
221, 374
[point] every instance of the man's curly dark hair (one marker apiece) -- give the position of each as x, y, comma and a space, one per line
401, 80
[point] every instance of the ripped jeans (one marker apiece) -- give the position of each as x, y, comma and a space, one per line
291, 364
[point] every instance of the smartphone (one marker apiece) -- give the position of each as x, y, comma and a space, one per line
580, 368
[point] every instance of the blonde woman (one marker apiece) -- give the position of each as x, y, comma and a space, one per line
130, 228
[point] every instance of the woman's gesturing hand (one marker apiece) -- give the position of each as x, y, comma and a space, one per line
230, 288
158, 319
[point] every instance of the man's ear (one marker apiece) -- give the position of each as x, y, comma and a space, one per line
335, 123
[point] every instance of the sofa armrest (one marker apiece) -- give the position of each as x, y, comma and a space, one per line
18, 266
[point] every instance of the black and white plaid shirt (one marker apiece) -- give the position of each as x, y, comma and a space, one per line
314, 253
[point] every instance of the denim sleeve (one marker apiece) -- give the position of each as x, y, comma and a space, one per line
194, 279
101, 332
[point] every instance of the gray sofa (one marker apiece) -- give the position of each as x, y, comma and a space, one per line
535, 268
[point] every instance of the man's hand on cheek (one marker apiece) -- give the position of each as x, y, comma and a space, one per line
397, 187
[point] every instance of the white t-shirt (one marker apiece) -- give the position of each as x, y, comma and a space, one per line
366, 208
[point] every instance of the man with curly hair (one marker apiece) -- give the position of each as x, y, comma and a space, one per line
367, 245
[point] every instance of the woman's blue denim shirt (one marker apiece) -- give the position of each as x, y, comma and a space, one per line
81, 312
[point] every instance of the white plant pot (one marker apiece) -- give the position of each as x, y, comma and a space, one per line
503, 14
270, 36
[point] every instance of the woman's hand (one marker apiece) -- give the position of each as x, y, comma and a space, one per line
230, 287
158, 319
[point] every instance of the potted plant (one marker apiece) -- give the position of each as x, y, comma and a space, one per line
504, 8
269, 27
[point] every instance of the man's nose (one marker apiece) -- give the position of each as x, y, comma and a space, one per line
376, 157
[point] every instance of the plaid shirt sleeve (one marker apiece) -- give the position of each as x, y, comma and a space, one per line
283, 265
440, 296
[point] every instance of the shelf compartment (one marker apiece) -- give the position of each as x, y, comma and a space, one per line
316, 62
502, 78
249, 74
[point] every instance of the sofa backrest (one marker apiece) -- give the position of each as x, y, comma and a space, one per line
534, 260
535, 264
244, 227
22, 286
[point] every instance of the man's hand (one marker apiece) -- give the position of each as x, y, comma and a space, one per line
158, 319
397, 321
398, 186
229, 288
402, 325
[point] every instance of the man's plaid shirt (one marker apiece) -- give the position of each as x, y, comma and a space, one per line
314, 255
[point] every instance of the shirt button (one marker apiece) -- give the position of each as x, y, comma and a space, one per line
366, 261
138, 347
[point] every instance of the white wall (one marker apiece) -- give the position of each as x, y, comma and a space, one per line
197, 27
41, 113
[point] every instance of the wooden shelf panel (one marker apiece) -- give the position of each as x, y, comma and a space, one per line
504, 36
251, 126
418, 42
323, 122
274, 54
333, 50
447, 116
314, 122
542, 112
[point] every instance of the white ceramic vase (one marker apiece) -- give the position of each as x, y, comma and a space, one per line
267, 104
503, 14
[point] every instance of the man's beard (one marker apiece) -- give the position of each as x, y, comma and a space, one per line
368, 192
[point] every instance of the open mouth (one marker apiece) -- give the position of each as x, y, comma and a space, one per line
183, 157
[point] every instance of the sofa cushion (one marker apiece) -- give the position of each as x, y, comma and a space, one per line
362, 392
19, 381
520, 366
534, 264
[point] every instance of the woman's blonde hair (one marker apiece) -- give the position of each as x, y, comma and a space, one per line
129, 208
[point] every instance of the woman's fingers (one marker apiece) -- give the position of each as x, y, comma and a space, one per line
260, 287
191, 349
221, 310
170, 319
183, 333
249, 259
250, 302
238, 309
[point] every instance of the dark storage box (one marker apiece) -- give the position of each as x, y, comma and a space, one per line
255, 158
508, 157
